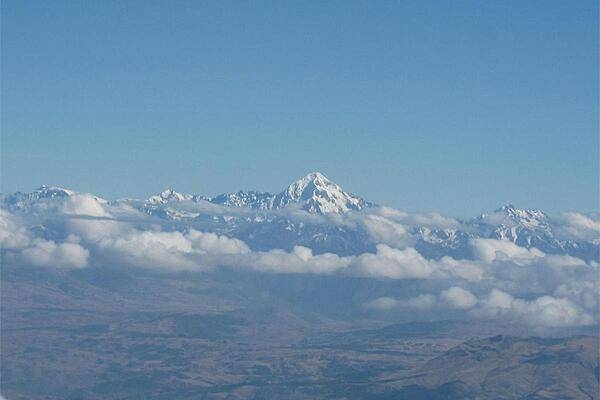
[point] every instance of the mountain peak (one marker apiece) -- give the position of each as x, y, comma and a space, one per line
168, 195
251, 199
518, 214
509, 216
317, 194
304, 186
507, 207
46, 191
316, 176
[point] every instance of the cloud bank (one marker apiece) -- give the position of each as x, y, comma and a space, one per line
500, 280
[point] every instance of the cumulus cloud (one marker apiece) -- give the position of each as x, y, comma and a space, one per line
148, 249
383, 303
542, 311
490, 250
454, 297
459, 298
432, 220
557, 261
467, 270
392, 263
384, 231
387, 262
92, 230
515, 269
581, 291
47, 253
299, 260
420, 302
213, 243
579, 226
13, 235
84, 204
21, 246
175, 250
502, 280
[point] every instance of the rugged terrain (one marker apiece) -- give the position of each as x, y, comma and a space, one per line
308, 293
121, 334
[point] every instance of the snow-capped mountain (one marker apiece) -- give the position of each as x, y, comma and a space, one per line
257, 219
43, 192
525, 228
251, 199
528, 228
24, 201
167, 196
508, 219
317, 194
313, 193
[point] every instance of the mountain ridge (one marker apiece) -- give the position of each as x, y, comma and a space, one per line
314, 193
272, 226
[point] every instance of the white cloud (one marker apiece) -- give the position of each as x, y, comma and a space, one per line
579, 226
458, 298
468, 270
429, 220
47, 253
454, 297
420, 302
84, 204
583, 292
545, 311
213, 243
149, 249
299, 260
92, 230
542, 311
13, 235
383, 303
498, 299
561, 261
23, 247
490, 250
392, 263
175, 250
156, 249
385, 231
555, 290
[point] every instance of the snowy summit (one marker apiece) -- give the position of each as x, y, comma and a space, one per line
317, 194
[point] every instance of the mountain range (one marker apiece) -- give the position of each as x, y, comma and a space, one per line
153, 298
317, 213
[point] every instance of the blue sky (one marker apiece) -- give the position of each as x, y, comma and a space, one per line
424, 106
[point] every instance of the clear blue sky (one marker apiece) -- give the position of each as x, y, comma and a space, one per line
455, 107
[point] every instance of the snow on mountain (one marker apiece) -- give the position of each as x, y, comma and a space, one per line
439, 236
25, 201
168, 195
51, 191
45, 192
54, 200
313, 193
252, 199
509, 215
317, 194
523, 227
262, 226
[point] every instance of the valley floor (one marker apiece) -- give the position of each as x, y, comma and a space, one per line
101, 335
